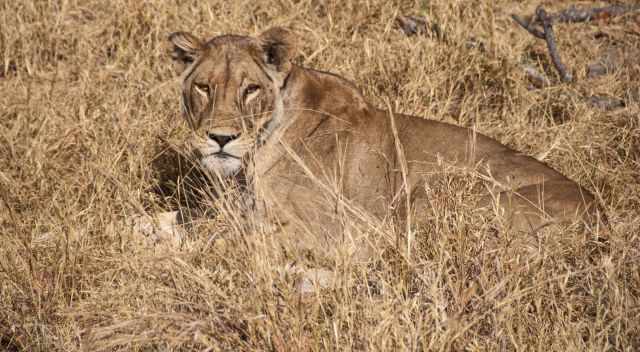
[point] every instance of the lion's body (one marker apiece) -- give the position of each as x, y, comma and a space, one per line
315, 146
346, 143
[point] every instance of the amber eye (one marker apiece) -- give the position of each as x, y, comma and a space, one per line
252, 88
204, 88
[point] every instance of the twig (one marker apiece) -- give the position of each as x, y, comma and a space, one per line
546, 34
528, 26
570, 15
575, 15
542, 15
418, 25
412, 25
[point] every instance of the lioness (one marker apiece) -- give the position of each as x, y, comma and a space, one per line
309, 146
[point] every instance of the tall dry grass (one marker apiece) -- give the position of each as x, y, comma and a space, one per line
87, 96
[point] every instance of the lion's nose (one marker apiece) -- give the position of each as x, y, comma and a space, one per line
222, 140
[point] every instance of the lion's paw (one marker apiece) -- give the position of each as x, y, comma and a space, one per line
311, 280
159, 228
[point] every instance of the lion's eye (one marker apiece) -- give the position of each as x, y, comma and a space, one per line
252, 88
203, 88
250, 92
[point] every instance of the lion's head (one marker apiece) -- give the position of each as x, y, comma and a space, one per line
231, 92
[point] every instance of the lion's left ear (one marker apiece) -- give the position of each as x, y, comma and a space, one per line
186, 48
279, 47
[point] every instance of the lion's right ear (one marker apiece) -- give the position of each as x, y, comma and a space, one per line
279, 47
186, 48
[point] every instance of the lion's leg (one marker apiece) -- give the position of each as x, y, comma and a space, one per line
533, 207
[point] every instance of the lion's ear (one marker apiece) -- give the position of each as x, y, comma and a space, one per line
279, 47
186, 48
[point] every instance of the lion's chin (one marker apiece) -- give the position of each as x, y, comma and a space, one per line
225, 166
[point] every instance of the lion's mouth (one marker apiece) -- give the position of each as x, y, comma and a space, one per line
222, 155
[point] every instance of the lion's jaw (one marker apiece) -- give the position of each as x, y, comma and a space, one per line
225, 161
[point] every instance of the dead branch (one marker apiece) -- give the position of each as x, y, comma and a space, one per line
412, 25
528, 26
546, 34
547, 26
574, 14
417, 25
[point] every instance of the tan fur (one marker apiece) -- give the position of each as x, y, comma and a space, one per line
313, 148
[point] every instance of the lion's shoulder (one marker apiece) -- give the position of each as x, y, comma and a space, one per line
329, 92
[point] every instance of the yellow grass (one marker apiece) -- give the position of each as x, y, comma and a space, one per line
87, 94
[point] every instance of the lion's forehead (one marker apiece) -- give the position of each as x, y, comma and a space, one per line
232, 48
231, 39
228, 68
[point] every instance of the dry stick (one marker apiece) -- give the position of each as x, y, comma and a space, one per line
528, 26
532, 72
412, 25
570, 15
575, 15
551, 44
548, 36
418, 25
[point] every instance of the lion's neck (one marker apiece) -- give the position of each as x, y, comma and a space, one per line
315, 101
311, 102
321, 91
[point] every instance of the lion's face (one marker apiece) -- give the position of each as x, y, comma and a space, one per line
230, 89
229, 100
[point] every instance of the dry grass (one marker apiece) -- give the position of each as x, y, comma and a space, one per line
86, 90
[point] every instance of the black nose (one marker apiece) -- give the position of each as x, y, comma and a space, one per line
222, 140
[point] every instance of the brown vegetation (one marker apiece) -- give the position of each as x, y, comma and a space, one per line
88, 97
